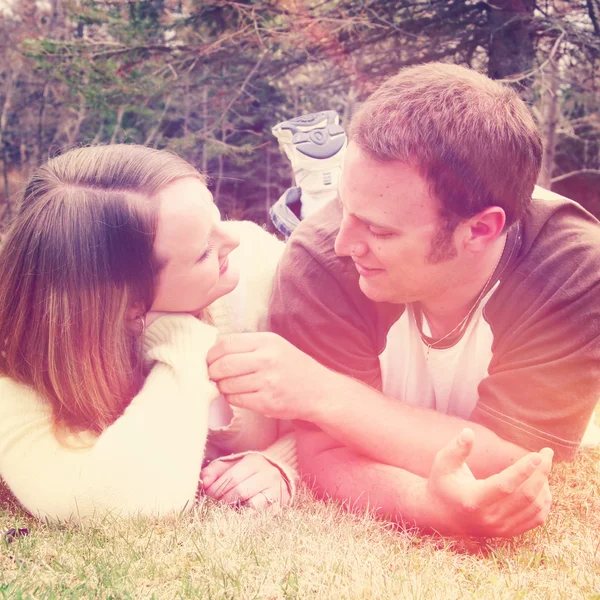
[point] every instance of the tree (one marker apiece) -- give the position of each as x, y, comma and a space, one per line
209, 78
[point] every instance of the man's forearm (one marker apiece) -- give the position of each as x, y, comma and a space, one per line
400, 435
362, 484
265, 373
450, 500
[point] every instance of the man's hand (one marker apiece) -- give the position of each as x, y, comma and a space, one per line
251, 481
506, 504
265, 373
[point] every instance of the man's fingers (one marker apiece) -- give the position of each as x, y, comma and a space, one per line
548, 454
233, 365
252, 401
235, 343
529, 518
243, 384
531, 491
453, 456
502, 485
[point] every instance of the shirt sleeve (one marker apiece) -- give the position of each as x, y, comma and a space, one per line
317, 305
544, 377
147, 462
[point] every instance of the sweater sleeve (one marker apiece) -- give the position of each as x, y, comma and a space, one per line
147, 462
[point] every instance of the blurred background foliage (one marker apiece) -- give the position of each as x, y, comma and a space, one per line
209, 78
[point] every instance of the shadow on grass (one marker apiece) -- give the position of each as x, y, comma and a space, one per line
8, 503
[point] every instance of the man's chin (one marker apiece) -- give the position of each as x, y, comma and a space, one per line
373, 292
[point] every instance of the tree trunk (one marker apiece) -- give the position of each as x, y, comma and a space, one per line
268, 183
205, 126
120, 113
10, 86
550, 114
511, 48
39, 140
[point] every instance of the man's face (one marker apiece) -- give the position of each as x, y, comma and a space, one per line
392, 230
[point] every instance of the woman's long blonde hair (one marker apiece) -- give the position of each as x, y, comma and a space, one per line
77, 257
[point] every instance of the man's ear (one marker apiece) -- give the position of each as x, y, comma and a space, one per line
484, 228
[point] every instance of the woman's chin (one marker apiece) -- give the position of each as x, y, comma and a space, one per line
226, 284
229, 280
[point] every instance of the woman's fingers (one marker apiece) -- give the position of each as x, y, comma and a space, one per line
255, 487
235, 475
213, 471
277, 496
251, 480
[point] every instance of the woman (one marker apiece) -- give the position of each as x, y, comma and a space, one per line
115, 278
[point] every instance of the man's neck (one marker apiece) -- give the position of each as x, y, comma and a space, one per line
447, 311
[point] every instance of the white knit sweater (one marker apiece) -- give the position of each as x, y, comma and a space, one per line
148, 461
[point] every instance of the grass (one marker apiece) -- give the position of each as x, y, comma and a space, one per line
312, 550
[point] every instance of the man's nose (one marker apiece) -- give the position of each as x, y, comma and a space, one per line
348, 241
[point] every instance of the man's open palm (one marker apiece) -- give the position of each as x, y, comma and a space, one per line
509, 503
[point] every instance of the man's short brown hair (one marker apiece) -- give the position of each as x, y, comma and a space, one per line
472, 138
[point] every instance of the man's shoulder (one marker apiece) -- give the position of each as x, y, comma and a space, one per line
557, 257
551, 215
310, 251
316, 234
557, 234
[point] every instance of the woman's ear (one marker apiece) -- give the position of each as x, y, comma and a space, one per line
135, 318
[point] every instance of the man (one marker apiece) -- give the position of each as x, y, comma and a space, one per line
435, 292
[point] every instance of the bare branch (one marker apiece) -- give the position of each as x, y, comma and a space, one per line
541, 67
120, 113
155, 129
574, 173
243, 86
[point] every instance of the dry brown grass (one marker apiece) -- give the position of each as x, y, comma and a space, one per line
313, 550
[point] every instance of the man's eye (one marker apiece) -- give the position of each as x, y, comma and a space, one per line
378, 233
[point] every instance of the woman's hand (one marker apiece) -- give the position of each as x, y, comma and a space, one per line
250, 480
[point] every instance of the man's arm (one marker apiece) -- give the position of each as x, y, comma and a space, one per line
400, 435
267, 374
450, 501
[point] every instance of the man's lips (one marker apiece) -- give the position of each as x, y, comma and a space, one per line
224, 266
365, 271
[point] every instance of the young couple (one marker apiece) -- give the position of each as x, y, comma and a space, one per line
439, 322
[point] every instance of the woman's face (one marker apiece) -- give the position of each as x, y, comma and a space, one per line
191, 245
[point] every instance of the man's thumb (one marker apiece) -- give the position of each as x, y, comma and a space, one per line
452, 456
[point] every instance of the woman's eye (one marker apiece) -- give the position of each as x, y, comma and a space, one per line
206, 254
